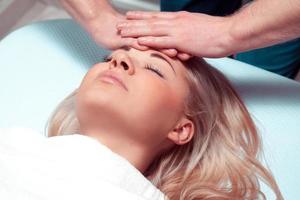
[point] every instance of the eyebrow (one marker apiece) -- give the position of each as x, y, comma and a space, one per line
156, 55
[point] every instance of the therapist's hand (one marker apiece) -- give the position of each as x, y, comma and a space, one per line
190, 33
99, 18
104, 32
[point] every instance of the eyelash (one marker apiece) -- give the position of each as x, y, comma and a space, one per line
155, 70
148, 67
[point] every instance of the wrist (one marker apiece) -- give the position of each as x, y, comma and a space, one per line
226, 42
243, 33
102, 19
96, 9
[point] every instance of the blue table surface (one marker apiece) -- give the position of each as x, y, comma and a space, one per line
43, 62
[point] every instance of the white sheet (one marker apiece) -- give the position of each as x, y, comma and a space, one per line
66, 167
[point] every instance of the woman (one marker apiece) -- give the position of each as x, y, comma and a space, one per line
181, 125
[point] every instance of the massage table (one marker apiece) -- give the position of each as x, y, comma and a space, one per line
42, 63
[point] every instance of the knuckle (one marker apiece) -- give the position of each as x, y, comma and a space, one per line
127, 31
182, 13
123, 31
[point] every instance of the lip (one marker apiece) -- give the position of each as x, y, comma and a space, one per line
113, 78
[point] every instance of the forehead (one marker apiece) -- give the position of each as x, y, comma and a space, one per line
139, 55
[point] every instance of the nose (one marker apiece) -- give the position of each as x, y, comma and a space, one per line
122, 61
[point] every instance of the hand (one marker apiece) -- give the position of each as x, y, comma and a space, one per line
103, 31
191, 33
175, 53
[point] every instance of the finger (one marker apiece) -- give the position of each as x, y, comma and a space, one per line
132, 23
134, 28
183, 56
141, 23
136, 45
169, 52
143, 31
132, 42
163, 42
149, 15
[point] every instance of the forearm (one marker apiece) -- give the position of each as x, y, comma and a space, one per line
263, 23
85, 11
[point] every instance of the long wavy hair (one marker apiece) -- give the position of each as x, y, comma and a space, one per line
222, 159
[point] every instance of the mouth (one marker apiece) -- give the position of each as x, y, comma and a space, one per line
112, 78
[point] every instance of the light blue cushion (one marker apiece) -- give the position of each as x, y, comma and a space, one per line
41, 63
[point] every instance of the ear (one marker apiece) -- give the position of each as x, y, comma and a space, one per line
183, 132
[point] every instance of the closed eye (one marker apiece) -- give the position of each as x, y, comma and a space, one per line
108, 58
154, 69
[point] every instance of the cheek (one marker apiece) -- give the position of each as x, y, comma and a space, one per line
85, 105
160, 98
156, 106
88, 98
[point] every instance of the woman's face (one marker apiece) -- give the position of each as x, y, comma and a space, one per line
137, 95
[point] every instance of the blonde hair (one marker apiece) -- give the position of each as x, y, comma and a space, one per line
221, 161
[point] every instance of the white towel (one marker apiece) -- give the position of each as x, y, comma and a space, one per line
35, 167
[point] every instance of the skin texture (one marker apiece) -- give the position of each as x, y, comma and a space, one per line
99, 19
259, 24
182, 34
142, 121
192, 33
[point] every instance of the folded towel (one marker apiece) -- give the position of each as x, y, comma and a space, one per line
35, 167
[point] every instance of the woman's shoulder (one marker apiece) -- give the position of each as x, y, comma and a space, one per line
20, 137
